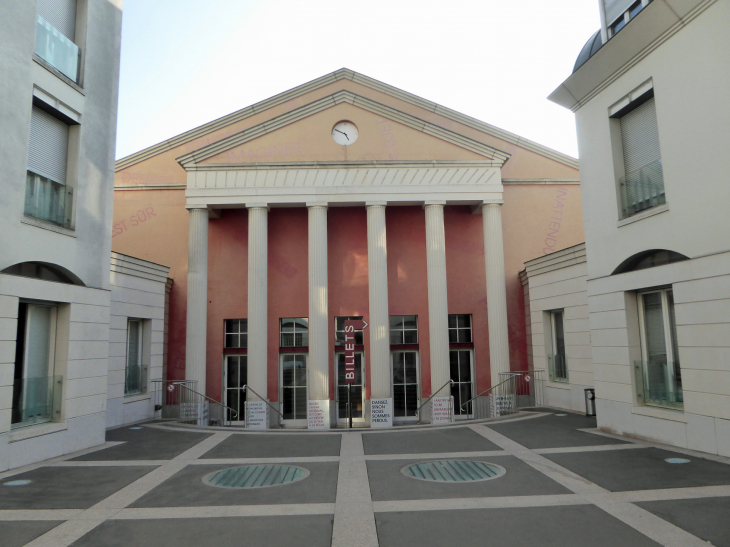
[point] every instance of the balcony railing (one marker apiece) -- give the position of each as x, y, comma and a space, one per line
57, 50
36, 400
642, 189
558, 368
658, 383
48, 200
135, 380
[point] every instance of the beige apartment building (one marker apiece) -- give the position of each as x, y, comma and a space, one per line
649, 92
63, 311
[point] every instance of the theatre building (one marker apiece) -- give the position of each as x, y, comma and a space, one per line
345, 198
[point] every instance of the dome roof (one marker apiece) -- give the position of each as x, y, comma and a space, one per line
593, 44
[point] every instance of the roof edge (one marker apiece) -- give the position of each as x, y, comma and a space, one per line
327, 79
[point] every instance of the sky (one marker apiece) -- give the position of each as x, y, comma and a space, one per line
187, 62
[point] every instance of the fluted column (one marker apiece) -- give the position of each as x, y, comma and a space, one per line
319, 349
496, 290
258, 242
197, 308
380, 381
438, 310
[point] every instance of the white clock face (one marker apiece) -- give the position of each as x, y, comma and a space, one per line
344, 133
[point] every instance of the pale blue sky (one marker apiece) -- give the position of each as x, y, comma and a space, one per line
187, 62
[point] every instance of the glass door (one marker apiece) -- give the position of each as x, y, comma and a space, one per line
461, 375
405, 386
294, 389
358, 393
235, 377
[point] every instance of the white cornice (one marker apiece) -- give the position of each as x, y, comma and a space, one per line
202, 154
653, 26
332, 78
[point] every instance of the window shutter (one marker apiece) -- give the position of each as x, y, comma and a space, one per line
615, 8
640, 136
48, 147
61, 14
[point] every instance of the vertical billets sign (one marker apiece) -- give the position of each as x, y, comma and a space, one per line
351, 325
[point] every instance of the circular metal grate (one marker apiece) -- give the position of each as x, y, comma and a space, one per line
676, 460
453, 471
21, 482
256, 476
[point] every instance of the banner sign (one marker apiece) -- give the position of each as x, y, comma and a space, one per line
442, 410
351, 325
318, 414
257, 415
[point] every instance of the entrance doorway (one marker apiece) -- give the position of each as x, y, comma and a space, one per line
358, 392
293, 384
235, 377
461, 374
405, 386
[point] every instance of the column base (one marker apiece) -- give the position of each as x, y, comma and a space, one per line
381, 413
318, 414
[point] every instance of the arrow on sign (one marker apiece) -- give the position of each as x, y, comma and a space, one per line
357, 324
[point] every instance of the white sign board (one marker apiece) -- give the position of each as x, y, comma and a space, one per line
442, 410
381, 413
257, 415
318, 415
502, 404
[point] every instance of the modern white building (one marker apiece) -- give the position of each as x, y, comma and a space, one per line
649, 92
60, 66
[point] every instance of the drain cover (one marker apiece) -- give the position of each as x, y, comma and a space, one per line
256, 476
16, 483
453, 471
676, 460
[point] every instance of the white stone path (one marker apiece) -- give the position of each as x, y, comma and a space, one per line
354, 511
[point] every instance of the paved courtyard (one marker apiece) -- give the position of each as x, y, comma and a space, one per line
560, 482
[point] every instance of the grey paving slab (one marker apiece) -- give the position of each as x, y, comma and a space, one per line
146, 443
452, 439
186, 489
388, 483
642, 469
276, 446
574, 526
67, 487
553, 431
308, 530
18, 533
706, 518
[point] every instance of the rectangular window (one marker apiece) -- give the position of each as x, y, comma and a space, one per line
55, 36
642, 186
658, 374
235, 377
47, 196
405, 384
340, 331
557, 361
460, 329
461, 374
294, 332
294, 386
36, 391
403, 329
136, 371
236, 335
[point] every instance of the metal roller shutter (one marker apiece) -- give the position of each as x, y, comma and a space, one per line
48, 147
640, 136
61, 14
614, 8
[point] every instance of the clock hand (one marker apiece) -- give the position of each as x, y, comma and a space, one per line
345, 134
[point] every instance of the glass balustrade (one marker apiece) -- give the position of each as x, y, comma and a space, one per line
57, 50
36, 400
642, 189
48, 200
659, 383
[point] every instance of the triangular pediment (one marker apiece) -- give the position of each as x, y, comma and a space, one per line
310, 126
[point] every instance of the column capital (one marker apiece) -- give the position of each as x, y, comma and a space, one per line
258, 206
486, 203
433, 202
376, 204
311, 204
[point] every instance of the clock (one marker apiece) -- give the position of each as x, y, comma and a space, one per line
344, 133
